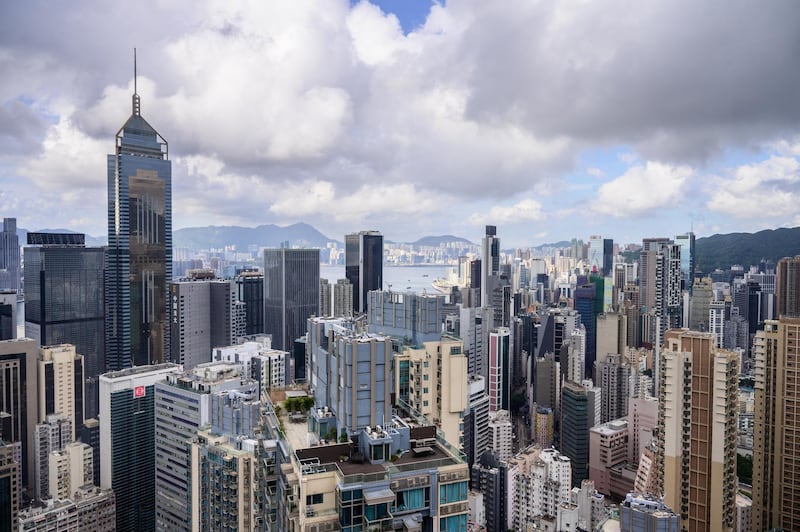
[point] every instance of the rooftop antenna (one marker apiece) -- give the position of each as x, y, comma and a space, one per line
136, 104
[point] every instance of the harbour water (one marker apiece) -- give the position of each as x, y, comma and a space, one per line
398, 278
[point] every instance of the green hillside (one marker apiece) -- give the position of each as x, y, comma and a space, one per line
722, 251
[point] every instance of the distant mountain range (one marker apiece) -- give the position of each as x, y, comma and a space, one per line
717, 251
438, 240
746, 249
271, 235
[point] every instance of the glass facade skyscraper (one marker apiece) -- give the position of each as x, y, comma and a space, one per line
139, 245
9, 255
127, 433
291, 293
363, 254
64, 303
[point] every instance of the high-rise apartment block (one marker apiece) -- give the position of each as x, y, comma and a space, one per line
476, 419
500, 435
432, 380
490, 476
61, 384
70, 469
413, 318
270, 368
205, 314
363, 254
539, 481
64, 301
139, 253
697, 430
9, 256
53, 434
350, 372
89, 508
291, 293
613, 378
19, 399
499, 369
336, 300
127, 442
182, 407
776, 434
223, 492
660, 287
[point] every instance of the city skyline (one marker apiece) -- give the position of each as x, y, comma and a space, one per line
595, 117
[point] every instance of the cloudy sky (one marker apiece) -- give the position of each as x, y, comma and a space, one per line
547, 119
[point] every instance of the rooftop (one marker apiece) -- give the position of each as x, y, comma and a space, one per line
139, 370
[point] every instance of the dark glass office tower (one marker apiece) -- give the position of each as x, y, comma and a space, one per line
363, 255
139, 245
19, 397
250, 291
9, 256
8, 314
64, 301
291, 293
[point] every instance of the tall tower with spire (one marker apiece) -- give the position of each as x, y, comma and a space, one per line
139, 256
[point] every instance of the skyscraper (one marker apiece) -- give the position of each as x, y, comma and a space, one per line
182, 406
61, 381
787, 289
8, 315
500, 369
250, 291
490, 264
127, 436
697, 430
363, 257
686, 242
776, 441
64, 301
19, 399
9, 485
205, 314
601, 255
9, 256
291, 293
580, 411
139, 245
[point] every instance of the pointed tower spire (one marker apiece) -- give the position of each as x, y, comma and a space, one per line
135, 104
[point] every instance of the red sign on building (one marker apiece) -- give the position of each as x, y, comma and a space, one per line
139, 391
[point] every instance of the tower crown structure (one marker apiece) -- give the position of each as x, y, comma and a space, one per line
139, 255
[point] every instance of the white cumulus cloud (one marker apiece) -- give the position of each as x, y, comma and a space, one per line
641, 189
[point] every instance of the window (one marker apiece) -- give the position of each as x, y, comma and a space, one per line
457, 491
454, 523
413, 499
314, 499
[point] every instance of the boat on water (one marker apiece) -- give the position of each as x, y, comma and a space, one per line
443, 285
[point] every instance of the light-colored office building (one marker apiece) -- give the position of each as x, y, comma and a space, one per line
61, 384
